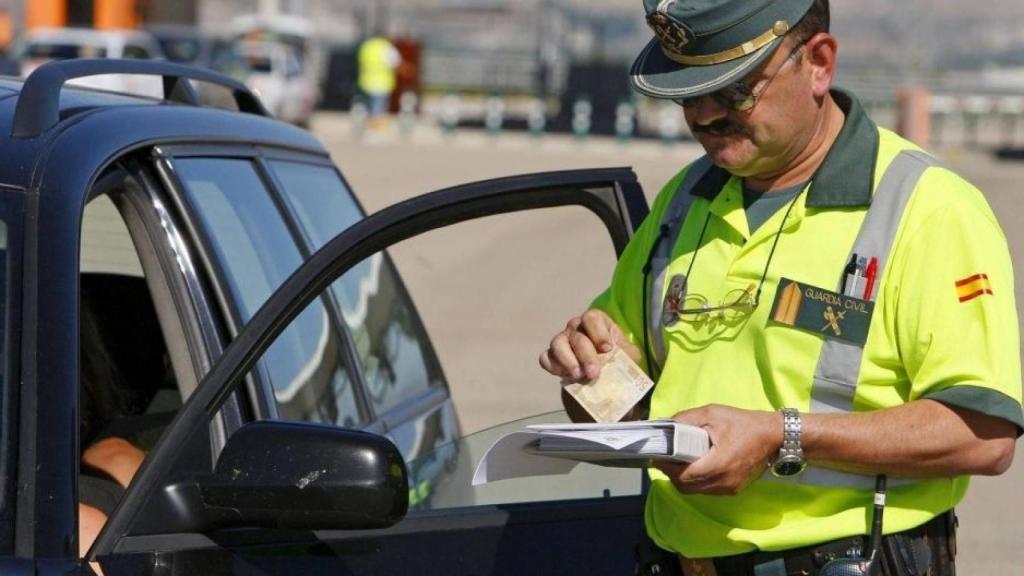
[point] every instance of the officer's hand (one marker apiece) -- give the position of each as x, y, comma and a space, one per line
743, 442
573, 352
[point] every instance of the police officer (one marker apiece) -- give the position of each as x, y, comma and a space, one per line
378, 61
823, 297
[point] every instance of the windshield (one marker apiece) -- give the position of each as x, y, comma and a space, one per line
443, 478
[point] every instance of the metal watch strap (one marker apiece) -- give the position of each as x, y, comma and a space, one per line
791, 430
790, 460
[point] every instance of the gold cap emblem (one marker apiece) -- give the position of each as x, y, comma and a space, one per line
672, 34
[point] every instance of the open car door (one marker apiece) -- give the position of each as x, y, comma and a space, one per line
290, 498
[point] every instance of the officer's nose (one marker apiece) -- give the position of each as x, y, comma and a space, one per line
706, 110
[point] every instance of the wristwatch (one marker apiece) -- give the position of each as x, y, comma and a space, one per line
790, 460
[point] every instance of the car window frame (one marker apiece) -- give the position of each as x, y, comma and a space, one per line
259, 392
407, 409
13, 201
152, 216
275, 189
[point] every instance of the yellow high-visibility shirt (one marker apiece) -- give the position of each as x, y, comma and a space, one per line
944, 327
377, 62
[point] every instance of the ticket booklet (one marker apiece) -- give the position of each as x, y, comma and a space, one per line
548, 449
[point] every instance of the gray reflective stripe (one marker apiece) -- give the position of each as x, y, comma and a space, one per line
673, 218
827, 478
835, 379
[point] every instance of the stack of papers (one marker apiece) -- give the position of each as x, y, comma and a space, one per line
654, 442
543, 450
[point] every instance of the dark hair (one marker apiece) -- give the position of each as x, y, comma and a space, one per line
98, 404
104, 392
816, 20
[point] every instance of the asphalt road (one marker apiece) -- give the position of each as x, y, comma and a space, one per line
493, 292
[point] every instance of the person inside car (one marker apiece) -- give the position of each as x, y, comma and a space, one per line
109, 460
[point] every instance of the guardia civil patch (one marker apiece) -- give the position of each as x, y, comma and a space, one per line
822, 311
973, 287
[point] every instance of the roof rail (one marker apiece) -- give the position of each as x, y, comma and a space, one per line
38, 107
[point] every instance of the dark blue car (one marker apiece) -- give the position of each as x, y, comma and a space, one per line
270, 364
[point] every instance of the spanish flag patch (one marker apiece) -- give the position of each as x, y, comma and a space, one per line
972, 287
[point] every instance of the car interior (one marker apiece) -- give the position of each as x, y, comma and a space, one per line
129, 388
125, 327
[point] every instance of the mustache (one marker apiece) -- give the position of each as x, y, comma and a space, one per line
721, 127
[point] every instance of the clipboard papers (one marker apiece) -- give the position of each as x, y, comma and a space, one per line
551, 449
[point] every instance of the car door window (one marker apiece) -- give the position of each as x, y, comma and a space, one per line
393, 348
509, 532
256, 253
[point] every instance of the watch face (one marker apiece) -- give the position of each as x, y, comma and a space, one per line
788, 466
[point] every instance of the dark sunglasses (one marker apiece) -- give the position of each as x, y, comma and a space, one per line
740, 96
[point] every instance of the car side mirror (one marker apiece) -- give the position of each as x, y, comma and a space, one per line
305, 476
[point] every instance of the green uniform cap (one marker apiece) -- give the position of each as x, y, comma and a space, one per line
702, 46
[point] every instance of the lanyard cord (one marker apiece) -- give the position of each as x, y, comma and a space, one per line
662, 236
775, 242
645, 293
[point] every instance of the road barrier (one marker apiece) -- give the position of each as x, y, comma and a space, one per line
449, 116
537, 117
494, 117
625, 120
582, 111
932, 119
408, 103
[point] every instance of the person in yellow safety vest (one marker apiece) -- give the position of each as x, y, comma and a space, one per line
378, 60
827, 300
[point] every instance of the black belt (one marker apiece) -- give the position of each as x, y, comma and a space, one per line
937, 535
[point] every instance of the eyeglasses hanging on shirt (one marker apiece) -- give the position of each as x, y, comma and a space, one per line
678, 306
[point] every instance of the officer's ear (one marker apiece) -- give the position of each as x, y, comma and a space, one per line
821, 50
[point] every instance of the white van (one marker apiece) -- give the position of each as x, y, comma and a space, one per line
278, 76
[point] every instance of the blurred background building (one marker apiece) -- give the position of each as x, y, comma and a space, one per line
560, 51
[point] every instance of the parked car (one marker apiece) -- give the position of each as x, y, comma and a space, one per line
189, 45
275, 72
295, 417
43, 45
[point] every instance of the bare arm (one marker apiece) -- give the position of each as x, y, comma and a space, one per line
90, 522
116, 456
923, 438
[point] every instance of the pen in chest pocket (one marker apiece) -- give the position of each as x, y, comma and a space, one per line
852, 275
869, 277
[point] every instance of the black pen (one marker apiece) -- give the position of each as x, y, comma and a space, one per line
848, 272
